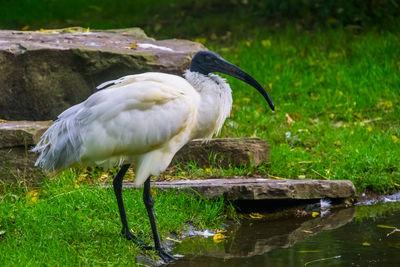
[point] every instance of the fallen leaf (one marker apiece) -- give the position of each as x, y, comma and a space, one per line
307, 231
217, 238
2, 232
200, 40
256, 215
392, 232
153, 192
133, 45
366, 244
308, 251
314, 214
385, 226
266, 43
395, 139
174, 240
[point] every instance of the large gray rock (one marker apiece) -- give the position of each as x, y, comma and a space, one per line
44, 73
262, 189
16, 138
224, 152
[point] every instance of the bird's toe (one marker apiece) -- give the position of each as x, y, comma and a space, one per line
130, 236
166, 257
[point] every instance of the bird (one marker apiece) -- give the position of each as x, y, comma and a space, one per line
142, 120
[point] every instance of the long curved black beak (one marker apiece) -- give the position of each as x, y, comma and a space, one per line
234, 71
206, 61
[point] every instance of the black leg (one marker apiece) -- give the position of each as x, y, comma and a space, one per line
149, 203
117, 183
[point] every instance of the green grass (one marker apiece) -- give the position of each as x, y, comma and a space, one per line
339, 81
341, 89
343, 92
71, 222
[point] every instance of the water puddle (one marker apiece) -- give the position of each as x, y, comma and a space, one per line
361, 235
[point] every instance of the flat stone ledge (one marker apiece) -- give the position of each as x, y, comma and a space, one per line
263, 188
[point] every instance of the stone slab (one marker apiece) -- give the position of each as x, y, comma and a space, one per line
263, 188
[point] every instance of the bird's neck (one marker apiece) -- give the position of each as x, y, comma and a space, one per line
215, 104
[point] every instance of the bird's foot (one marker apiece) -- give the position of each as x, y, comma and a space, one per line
166, 257
130, 236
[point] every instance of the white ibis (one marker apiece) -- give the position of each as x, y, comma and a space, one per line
143, 120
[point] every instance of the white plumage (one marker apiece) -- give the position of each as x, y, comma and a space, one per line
141, 119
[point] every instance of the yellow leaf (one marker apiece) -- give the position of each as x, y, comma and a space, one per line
308, 251
201, 40
366, 244
248, 44
208, 170
153, 192
266, 43
307, 231
218, 238
25, 28
369, 128
395, 139
315, 214
133, 45
246, 100
89, 219
289, 119
256, 215
385, 226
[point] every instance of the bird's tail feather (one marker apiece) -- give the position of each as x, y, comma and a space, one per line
59, 146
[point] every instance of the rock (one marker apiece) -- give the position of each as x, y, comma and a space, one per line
21, 133
16, 162
224, 152
44, 73
263, 189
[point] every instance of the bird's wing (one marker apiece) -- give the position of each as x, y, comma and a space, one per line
138, 115
123, 121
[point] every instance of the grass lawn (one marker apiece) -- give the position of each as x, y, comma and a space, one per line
71, 221
337, 96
